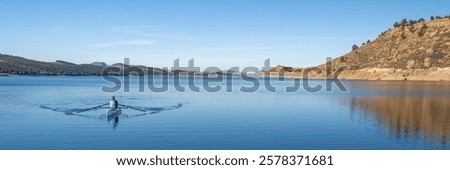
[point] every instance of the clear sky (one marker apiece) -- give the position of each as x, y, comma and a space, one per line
221, 33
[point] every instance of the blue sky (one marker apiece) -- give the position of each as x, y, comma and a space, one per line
221, 33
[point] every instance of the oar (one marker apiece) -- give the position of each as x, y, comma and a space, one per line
91, 108
132, 107
151, 110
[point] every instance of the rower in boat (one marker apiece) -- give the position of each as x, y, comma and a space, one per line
114, 109
113, 103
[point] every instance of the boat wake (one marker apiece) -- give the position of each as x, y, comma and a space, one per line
70, 111
144, 110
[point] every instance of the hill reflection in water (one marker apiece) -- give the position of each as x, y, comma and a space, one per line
417, 111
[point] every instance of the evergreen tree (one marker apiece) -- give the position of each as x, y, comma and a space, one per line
396, 24
404, 23
354, 47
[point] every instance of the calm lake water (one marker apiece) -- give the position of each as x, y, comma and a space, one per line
39, 113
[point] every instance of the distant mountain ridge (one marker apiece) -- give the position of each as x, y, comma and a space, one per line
100, 64
14, 65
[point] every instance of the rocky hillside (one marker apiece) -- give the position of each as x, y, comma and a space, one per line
411, 51
418, 46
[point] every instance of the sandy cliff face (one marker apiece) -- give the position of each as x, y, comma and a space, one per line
414, 52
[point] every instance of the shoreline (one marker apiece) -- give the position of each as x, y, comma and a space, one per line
376, 74
272, 76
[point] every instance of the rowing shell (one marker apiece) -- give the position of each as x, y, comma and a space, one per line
113, 113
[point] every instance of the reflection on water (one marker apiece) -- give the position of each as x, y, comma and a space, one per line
410, 111
114, 121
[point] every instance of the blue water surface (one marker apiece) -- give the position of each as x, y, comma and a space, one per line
41, 113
